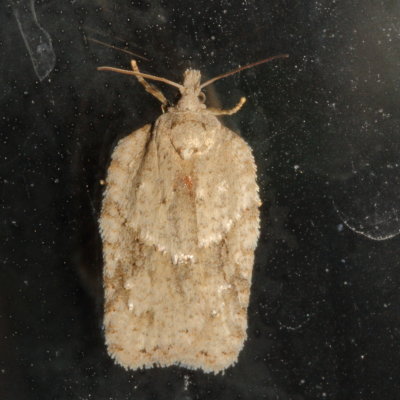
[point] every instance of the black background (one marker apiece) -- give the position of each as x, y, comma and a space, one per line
324, 125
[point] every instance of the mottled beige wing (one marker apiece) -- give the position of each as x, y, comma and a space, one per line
195, 313
125, 163
226, 188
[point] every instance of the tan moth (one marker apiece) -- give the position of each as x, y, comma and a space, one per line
179, 224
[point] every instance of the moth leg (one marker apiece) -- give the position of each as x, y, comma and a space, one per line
150, 88
231, 111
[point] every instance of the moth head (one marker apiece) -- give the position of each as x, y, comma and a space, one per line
191, 80
192, 98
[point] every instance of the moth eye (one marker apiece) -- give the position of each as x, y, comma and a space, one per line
202, 97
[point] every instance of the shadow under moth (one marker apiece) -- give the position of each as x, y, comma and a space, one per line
179, 224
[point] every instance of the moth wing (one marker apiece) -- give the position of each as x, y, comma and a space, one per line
158, 312
226, 188
126, 161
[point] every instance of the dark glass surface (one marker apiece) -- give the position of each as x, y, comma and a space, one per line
324, 125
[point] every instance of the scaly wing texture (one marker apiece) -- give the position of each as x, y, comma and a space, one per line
192, 313
220, 185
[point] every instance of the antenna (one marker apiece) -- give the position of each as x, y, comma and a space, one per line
146, 76
235, 71
117, 48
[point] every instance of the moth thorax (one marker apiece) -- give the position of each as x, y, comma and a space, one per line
194, 137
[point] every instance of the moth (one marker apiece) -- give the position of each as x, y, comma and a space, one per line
179, 225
